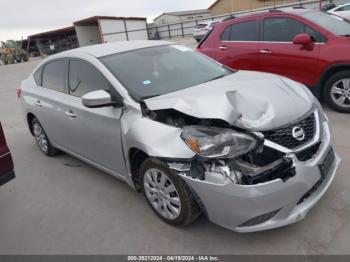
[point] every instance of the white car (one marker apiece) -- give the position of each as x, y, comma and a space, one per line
202, 29
341, 10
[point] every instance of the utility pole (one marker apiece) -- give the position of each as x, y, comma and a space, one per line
320, 4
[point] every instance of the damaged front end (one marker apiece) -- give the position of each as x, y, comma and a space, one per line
249, 169
250, 181
224, 152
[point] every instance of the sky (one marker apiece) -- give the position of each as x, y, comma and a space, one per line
25, 17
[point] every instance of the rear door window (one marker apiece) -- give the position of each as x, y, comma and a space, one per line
85, 78
245, 31
54, 76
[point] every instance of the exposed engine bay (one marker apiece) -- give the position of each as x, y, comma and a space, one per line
260, 165
245, 170
175, 118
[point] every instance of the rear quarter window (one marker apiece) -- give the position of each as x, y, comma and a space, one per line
38, 76
53, 76
244, 31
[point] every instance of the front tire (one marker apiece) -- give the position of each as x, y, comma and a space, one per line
167, 194
42, 140
337, 91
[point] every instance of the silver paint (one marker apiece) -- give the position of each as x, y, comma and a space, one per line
254, 101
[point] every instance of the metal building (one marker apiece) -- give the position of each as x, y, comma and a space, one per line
89, 31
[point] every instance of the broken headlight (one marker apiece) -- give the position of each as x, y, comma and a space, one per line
218, 142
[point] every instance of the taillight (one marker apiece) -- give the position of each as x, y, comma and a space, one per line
18, 92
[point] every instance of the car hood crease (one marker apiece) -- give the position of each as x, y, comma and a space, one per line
250, 100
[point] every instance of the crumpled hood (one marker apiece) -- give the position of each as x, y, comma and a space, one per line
251, 100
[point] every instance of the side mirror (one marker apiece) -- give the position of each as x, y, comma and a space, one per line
303, 39
99, 98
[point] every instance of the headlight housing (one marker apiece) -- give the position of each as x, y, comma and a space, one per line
218, 142
320, 111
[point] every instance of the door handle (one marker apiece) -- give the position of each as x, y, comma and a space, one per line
223, 47
266, 51
38, 103
70, 114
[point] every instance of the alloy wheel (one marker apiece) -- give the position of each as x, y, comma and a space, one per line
162, 194
40, 137
340, 92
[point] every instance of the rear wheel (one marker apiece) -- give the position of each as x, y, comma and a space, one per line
167, 194
42, 140
337, 91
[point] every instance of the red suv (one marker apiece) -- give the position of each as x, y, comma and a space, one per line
6, 163
308, 46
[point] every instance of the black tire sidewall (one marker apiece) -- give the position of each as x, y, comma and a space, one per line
51, 151
179, 185
327, 91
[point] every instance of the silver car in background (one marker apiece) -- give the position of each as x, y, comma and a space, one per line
341, 10
200, 30
252, 151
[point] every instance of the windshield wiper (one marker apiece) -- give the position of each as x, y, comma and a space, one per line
215, 78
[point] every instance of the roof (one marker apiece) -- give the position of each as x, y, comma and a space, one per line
264, 13
217, 1
94, 19
212, 5
190, 12
181, 13
61, 31
86, 21
101, 50
296, 10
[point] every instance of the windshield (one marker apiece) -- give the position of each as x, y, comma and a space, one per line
201, 26
161, 70
332, 23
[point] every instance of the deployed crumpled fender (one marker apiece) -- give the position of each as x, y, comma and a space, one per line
154, 138
250, 100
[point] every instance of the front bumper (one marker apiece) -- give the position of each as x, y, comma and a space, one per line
234, 206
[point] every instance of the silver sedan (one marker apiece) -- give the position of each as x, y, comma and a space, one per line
251, 151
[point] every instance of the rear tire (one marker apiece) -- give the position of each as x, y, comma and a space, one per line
336, 92
167, 194
42, 140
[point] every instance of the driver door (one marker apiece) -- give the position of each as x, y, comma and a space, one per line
280, 56
92, 133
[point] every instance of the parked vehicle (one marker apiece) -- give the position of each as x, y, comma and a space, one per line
328, 7
11, 52
6, 164
251, 150
200, 30
341, 10
308, 46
